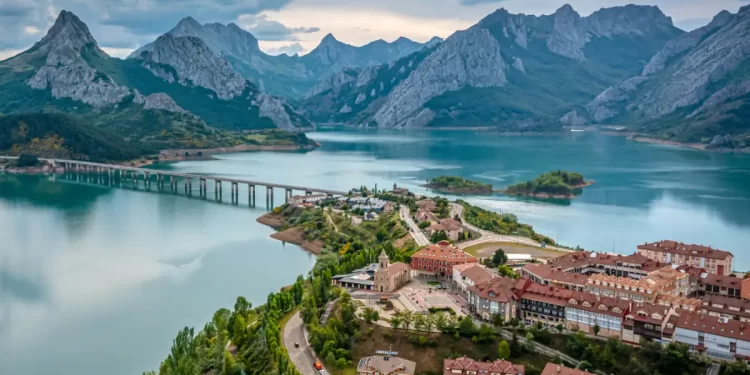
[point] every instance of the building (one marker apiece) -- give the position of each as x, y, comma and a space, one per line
363, 278
665, 281
544, 304
300, 199
713, 284
493, 297
716, 337
385, 365
425, 215
555, 369
469, 274
714, 261
723, 306
584, 311
452, 228
648, 321
399, 191
633, 266
439, 259
548, 275
468, 366
427, 204
390, 277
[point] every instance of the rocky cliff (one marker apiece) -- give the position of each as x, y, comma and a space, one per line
512, 71
696, 85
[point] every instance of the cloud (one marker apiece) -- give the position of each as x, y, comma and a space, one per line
289, 49
158, 16
264, 28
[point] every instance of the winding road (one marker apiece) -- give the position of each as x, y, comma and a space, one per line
416, 233
302, 357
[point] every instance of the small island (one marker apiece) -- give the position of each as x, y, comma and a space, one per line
556, 185
458, 185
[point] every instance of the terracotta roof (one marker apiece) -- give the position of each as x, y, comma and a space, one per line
555, 369
463, 267
468, 364
549, 273
427, 204
394, 365
721, 281
582, 259
726, 305
598, 304
397, 267
649, 313
446, 225
548, 294
444, 250
714, 325
498, 289
423, 214
675, 247
477, 274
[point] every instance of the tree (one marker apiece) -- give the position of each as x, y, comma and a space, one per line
530, 341
423, 224
229, 366
508, 272
503, 350
242, 306
238, 329
735, 368
596, 329
438, 236
497, 320
396, 322
370, 315
499, 258
559, 328
27, 160
466, 327
408, 319
429, 322
419, 322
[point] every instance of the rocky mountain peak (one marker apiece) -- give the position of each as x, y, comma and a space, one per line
195, 64
70, 31
188, 23
329, 39
566, 11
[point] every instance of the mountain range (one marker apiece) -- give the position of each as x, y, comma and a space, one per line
290, 76
627, 66
179, 94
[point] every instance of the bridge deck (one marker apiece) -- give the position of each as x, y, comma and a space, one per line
192, 176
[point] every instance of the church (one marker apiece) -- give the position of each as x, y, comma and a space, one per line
390, 277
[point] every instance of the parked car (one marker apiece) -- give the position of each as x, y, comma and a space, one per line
318, 366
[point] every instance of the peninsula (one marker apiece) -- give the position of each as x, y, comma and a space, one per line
458, 185
556, 185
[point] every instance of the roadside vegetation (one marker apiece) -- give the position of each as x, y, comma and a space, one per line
506, 224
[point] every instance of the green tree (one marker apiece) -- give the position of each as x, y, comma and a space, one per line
735, 368
530, 341
497, 320
438, 236
508, 272
242, 306
229, 366
596, 329
396, 322
370, 315
429, 322
238, 329
559, 328
419, 322
466, 327
503, 350
499, 258
408, 319
485, 334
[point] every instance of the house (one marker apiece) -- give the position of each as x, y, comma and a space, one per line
311, 198
468, 274
584, 311
439, 259
390, 276
399, 191
547, 275
427, 204
555, 369
544, 304
452, 228
715, 261
363, 278
371, 216
425, 215
634, 266
468, 366
723, 306
713, 284
648, 321
717, 337
493, 297
664, 281
385, 364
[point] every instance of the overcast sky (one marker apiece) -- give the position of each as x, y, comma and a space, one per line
292, 26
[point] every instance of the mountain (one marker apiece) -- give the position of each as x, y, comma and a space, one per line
57, 135
511, 71
696, 89
290, 76
176, 95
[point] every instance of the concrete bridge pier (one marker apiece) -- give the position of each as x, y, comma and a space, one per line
251, 195
235, 192
202, 186
269, 196
288, 195
189, 186
308, 192
147, 180
217, 190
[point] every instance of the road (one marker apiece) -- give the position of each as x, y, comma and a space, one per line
487, 236
713, 369
302, 357
416, 233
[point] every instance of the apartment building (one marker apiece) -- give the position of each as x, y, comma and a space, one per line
584, 311
493, 297
717, 337
467, 366
439, 259
714, 261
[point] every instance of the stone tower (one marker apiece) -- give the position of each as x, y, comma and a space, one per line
384, 260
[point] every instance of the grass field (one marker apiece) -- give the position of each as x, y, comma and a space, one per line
487, 249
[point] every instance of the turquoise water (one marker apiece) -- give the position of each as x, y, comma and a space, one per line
99, 279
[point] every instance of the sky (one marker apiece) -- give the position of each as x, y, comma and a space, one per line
297, 26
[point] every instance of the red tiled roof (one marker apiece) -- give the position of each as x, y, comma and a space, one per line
468, 364
548, 294
397, 267
721, 281
648, 313
477, 274
714, 325
675, 247
498, 289
444, 251
447, 225
555, 369
598, 304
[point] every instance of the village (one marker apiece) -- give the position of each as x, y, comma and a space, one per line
663, 292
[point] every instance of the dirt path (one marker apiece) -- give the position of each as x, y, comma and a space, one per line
331, 221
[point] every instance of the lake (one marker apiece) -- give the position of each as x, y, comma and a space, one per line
97, 279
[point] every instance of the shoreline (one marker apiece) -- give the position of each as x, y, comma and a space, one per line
467, 191
687, 145
294, 235
550, 196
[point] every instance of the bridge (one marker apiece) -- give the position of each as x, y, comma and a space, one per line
134, 174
